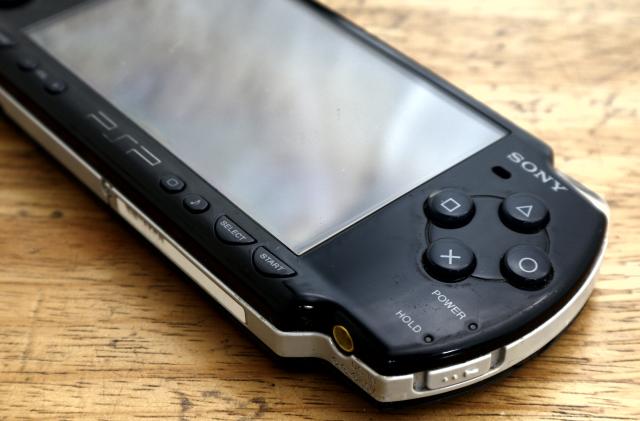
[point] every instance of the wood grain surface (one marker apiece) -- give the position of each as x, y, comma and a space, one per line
96, 324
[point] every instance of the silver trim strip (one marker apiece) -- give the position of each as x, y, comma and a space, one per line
52, 144
177, 254
301, 344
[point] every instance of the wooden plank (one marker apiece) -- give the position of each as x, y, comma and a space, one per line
95, 324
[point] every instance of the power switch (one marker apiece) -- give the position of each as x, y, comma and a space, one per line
448, 376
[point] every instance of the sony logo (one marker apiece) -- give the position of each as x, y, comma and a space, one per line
533, 169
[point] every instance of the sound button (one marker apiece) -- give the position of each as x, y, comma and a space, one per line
195, 203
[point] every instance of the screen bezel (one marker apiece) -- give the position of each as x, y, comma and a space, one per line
338, 225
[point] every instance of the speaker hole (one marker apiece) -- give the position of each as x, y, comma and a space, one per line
501, 172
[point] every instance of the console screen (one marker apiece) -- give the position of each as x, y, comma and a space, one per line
303, 126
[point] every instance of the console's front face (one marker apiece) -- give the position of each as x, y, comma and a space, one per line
330, 180
282, 119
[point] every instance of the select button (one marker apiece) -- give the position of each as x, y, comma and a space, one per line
269, 265
229, 232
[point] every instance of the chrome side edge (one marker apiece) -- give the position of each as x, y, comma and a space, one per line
301, 344
170, 248
52, 144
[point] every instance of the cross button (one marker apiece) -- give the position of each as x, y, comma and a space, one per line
449, 260
450, 256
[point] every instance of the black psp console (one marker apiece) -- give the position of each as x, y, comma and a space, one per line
339, 200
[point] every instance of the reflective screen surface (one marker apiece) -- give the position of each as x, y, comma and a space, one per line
304, 127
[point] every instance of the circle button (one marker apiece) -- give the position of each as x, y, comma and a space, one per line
450, 208
526, 267
449, 260
524, 213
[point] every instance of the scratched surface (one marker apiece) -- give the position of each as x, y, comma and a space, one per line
95, 324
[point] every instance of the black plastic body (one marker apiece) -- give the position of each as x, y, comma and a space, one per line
362, 277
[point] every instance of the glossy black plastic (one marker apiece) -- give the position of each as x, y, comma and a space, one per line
363, 277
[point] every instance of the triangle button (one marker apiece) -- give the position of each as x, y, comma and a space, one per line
525, 210
524, 213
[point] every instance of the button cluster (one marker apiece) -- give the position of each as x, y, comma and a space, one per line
523, 262
227, 230
27, 64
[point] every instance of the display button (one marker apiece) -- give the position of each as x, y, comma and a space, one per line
449, 260
195, 203
27, 64
5, 40
230, 233
524, 213
55, 87
527, 267
450, 208
268, 264
172, 184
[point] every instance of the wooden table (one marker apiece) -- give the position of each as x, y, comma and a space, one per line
95, 324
